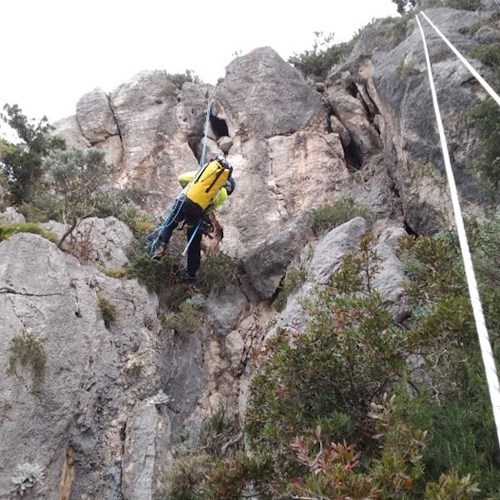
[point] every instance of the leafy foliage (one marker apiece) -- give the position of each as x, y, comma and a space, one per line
453, 400
293, 278
485, 117
328, 216
152, 273
405, 5
328, 376
185, 320
463, 4
107, 310
27, 476
316, 63
336, 469
76, 176
27, 349
217, 272
22, 163
178, 79
215, 469
25, 227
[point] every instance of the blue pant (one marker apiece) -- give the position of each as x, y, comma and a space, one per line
186, 211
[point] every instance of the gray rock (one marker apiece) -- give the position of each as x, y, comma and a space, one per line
250, 89
95, 116
267, 264
11, 216
79, 402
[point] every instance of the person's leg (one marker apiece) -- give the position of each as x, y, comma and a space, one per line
194, 251
166, 233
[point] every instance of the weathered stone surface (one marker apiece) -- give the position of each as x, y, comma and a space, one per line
398, 84
368, 131
258, 81
267, 264
327, 255
95, 116
102, 242
352, 114
69, 129
80, 401
10, 216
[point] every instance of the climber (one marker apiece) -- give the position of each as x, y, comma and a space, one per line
204, 190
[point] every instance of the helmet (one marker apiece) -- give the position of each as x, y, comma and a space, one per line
230, 185
222, 161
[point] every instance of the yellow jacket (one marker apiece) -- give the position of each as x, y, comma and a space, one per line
185, 178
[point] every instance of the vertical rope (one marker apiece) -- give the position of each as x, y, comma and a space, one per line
202, 162
478, 77
484, 342
154, 237
205, 134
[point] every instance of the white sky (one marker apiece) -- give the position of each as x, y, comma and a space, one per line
54, 51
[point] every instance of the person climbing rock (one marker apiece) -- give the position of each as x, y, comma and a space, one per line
205, 190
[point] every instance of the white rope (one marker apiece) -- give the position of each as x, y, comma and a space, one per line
484, 341
478, 77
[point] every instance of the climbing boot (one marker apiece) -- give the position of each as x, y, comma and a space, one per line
160, 251
188, 278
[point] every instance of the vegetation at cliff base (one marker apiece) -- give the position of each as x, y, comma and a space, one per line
364, 404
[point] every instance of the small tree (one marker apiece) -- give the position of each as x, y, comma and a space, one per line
76, 176
405, 5
22, 163
316, 63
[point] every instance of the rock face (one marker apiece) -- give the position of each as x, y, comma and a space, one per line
397, 83
107, 392
81, 402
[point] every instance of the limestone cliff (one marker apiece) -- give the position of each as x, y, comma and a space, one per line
116, 398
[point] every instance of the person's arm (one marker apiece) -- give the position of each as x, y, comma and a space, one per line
219, 199
185, 178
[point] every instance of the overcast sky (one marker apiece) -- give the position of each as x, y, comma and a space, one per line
54, 51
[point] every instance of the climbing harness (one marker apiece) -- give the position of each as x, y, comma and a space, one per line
484, 341
153, 238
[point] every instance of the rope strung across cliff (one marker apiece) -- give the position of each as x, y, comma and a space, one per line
154, 237
484, 341
478, 77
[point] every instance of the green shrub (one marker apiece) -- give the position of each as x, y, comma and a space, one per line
26, 349
6, 231
488, 54
331, 373
107, 310
485, 117
463, 4
316, 63
326, 217
23, 162
217, 272
44, 206
391, 32
405, 5
293, 278
216, 432
186, 320
179, 79
115, 272
155, 275
195, 473
187, 475
135, 370
454, 403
